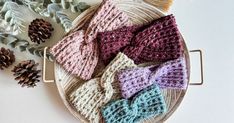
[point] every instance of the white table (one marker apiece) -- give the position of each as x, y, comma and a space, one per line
205, 24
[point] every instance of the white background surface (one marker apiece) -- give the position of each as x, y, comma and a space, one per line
205, 24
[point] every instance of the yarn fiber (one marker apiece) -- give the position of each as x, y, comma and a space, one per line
75, 56
170, 75
147, 103
95, 93
158, 41
78, 52
107, 18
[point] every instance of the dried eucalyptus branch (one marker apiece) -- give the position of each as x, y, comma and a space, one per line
23, 45
74, 5
6, 28
38, 6
10, 12
54, 9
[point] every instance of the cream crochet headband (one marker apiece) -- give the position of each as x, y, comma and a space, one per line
95, 93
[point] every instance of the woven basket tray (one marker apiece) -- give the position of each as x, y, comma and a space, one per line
140, 13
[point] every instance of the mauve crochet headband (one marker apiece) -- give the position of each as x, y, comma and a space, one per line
158, 41
170, 75
78, 52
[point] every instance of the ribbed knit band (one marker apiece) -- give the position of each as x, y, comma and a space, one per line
170, 75
147, 103
95, 93
108, 18
158, 41
133, 80
78, 52
75, 56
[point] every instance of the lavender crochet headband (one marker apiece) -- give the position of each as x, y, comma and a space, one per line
170, 75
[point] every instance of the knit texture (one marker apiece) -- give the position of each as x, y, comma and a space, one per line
108, 18
95, 93
172, 75
158, 41
75, 56
147, 103
78, 52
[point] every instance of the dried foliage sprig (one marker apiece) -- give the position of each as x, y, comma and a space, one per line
23, 45
6, 28
11, 13
73, 5
54, 9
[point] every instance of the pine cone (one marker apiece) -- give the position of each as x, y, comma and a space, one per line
7, 58
39, 30
26, 73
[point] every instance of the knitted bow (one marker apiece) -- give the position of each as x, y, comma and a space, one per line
95, 93
172, 74
147, 103
78, 52
158, 41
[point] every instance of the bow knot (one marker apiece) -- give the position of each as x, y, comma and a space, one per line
172, 74
149, 102
109, 76
96, 92
159, 41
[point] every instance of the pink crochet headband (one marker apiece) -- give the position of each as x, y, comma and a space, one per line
78, 52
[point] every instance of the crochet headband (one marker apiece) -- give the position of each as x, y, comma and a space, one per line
172, 75
147, 103
78, 52
95, 93
158, 41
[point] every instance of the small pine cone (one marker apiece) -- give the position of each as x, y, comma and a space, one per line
39, 30
26, 73
7, 58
